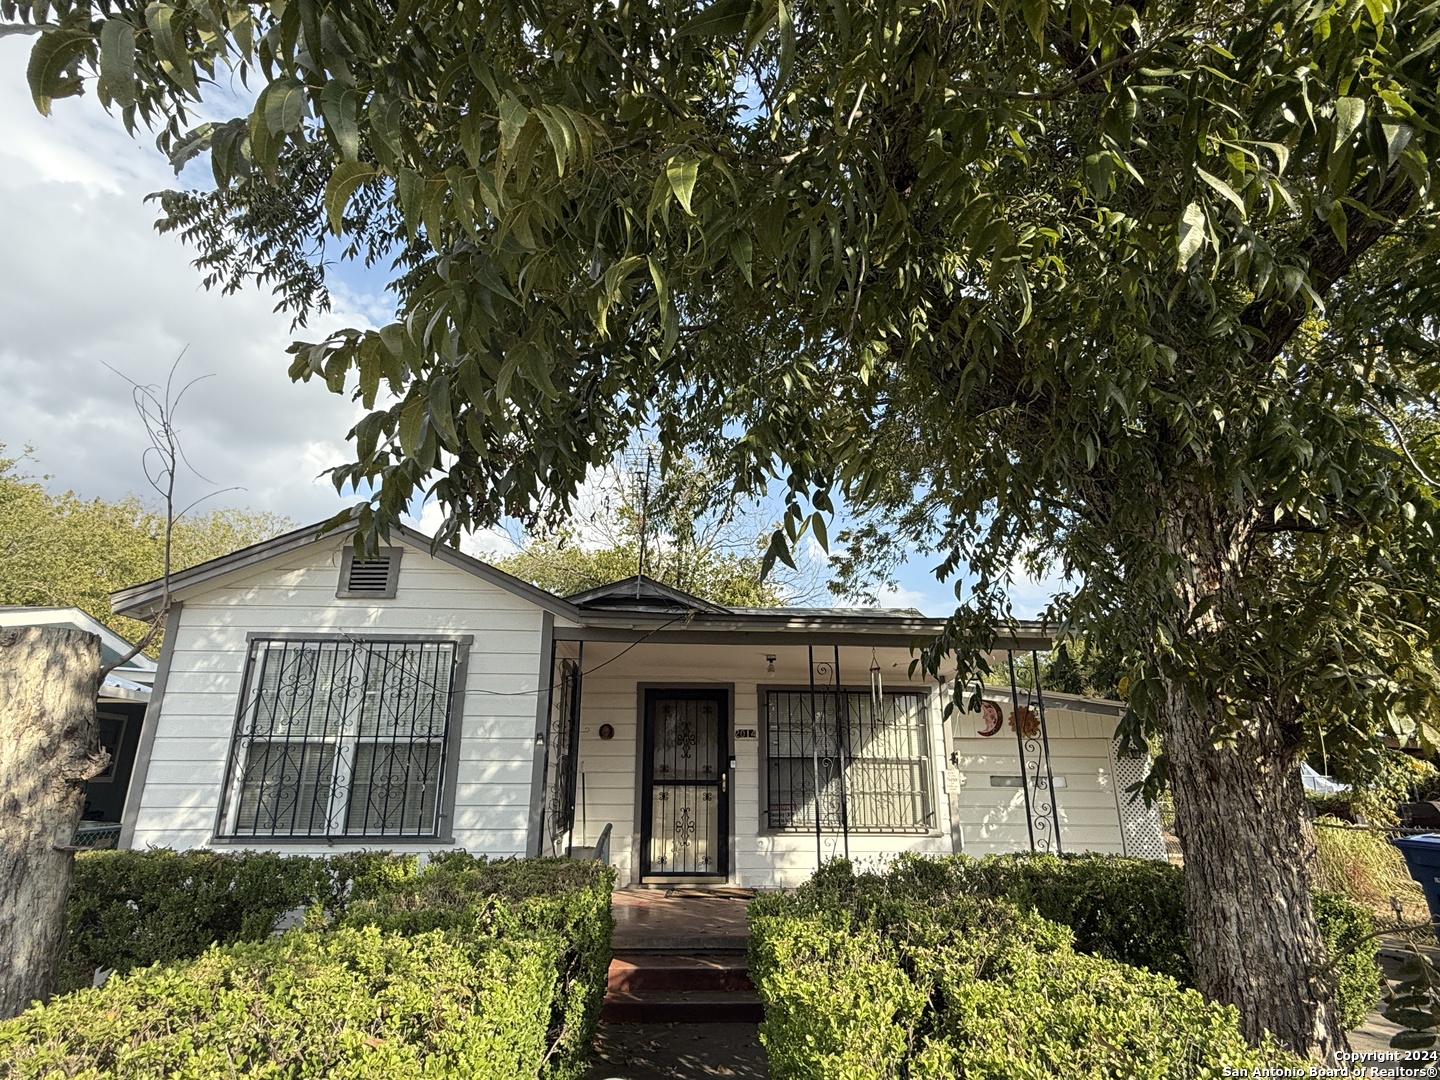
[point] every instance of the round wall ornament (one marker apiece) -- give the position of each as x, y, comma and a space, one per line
1025, 719
606, 732
991, 718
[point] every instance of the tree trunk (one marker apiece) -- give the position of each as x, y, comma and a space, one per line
49, 747
1239, 802
1239, 813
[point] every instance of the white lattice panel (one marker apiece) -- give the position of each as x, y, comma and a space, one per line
1140, 831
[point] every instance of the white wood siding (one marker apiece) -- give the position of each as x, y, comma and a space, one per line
992, 819
295, 594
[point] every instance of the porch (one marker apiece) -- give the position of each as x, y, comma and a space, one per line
732, 762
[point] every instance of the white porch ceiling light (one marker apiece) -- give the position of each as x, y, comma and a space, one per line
769, 665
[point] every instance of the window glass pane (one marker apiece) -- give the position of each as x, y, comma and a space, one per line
285, 790
394, 789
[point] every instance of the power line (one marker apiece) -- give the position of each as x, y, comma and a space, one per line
515, 693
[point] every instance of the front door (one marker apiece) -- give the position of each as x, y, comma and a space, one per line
684, 825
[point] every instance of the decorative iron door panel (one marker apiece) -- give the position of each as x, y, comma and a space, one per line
684, 796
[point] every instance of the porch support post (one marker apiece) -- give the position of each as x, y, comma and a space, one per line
841, 711
815, 750
1020, 745
1045, 742
571, 778
535, 827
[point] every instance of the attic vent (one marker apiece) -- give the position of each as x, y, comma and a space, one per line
371, 579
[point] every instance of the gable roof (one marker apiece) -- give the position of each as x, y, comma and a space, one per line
641, 593
142, 600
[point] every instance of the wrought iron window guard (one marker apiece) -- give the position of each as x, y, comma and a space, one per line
341, 738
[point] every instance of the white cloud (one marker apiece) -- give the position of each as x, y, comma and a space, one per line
1030, 595
900, 597
88, 282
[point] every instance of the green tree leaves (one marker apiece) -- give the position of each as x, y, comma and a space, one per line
53, 71
117, 63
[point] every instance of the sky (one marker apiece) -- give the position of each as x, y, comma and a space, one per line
92, 295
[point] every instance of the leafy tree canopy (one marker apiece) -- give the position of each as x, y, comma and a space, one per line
64, 551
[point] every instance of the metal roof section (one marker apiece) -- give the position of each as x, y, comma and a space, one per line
611, 612
642, 593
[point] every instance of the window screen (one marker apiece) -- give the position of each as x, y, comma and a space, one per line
857, 762
341, 738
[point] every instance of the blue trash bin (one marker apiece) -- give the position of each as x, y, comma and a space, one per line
1422, 856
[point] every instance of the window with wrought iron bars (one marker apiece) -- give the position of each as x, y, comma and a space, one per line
341, 737
880, 745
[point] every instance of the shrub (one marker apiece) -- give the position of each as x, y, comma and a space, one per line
349, 1004
908, 974
838, 1004
1132, 910
465, 968
130, 909
1348, 929
560, 904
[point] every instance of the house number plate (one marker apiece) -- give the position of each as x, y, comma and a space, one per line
745, 733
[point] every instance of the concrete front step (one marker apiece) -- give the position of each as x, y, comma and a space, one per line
683, 1007
690, 944
663, 973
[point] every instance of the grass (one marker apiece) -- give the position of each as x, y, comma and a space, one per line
1361, 863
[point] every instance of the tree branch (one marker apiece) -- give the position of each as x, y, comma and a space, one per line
1328, 260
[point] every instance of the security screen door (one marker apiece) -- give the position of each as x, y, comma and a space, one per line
684, 821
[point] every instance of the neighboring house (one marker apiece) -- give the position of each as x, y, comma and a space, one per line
121, 704
311, 701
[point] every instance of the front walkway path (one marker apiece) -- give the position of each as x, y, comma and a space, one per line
678, 1052
678, 923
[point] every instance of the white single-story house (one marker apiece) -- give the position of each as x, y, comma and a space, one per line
311, 701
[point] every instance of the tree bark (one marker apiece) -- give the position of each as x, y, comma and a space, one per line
49, 747
1239, 814
1239, 801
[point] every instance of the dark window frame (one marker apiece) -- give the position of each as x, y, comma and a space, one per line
925, 765
121, 721
392, 580
447, 768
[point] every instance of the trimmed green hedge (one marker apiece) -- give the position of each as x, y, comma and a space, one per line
356, 1003
1133, 910
935, 970
466, 968
560, 903
131, 909
1348, 929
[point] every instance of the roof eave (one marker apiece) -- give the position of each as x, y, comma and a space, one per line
1025, 636
144, 600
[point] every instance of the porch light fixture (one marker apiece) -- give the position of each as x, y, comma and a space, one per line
769, 665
